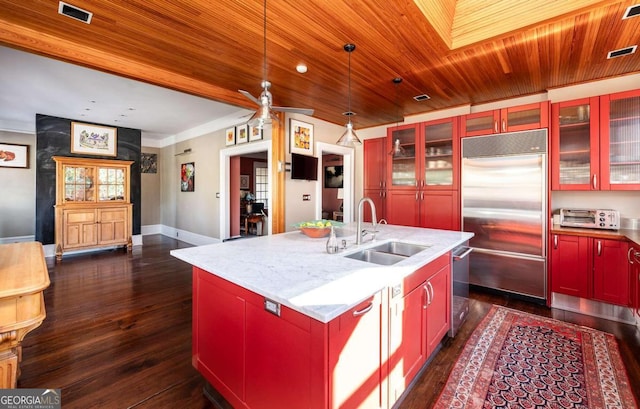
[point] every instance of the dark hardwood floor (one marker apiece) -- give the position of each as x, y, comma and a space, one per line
118, 334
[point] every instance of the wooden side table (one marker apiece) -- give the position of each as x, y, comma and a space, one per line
23, 278
256, 218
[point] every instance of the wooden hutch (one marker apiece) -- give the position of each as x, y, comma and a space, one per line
93, 207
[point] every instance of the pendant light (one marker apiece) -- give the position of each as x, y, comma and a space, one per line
266, 113
349, 137
397, 150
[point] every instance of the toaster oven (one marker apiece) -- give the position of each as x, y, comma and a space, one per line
590, 218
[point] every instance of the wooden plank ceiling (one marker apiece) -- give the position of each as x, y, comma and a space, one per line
458, 52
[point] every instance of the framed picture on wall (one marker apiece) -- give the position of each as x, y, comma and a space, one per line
230, 136
244, 182
149, 163
255, 133
300, 137
241, 134
188, 177
88, 139
14, 156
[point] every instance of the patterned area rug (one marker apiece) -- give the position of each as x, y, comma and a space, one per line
519, 360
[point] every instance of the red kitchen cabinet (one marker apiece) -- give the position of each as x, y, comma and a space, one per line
570, 265
356, 357
375, 163
375, 175
424, 175
575, 144
590, 268
438, 289
418, 320
595, 143
620, 141
424, 156
431, 209
512, 119
610, 272
633, 257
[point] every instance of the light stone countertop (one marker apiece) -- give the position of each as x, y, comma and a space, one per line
296, 271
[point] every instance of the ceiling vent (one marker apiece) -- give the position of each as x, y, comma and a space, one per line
74, 12
632, 11
422, 97
621, 52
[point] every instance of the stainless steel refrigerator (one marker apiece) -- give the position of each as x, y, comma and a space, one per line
504, 202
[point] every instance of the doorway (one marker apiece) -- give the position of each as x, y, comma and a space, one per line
347, 163
230, 183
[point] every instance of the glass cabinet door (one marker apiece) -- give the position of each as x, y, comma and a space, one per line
623, 140
112, 184
402, 156
575, 148
438, 153
79, 184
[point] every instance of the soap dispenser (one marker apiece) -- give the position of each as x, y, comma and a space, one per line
332, 242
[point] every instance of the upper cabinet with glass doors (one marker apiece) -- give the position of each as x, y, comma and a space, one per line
424, 155
575, 144
83, 180
512, 119
620, 141
596, 143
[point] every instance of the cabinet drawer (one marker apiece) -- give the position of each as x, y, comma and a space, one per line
80, 216
421, 275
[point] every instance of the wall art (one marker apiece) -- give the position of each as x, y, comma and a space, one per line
14, 156
149, 163
90, 139
188, 177
300, 137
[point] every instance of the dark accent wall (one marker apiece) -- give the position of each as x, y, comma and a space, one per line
53, 138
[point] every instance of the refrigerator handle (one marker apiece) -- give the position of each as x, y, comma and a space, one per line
599, 248
555, 241
595, 181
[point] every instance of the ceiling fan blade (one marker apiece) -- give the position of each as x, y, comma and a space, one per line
249, 96
304, 111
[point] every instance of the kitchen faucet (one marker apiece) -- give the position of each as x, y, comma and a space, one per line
359, 232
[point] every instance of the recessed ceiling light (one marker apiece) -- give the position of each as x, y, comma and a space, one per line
422, 97
74, 12
621, 52
301, 68
632, 11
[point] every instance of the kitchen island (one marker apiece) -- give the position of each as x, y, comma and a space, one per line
278, 322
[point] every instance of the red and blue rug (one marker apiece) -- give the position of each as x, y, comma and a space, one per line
519, 360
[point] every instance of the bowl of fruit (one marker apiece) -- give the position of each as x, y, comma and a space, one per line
317, 228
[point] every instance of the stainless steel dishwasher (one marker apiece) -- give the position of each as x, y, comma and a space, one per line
459, 286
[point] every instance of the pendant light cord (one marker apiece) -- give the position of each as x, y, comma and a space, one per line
349, 98
264, 67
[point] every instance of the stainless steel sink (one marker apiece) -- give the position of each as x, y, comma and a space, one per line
376, 257
400, 248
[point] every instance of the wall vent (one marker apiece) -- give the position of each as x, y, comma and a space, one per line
621, 52
632, 11
74, 12
422, 97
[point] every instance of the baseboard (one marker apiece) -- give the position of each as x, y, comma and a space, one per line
187, 236
16, 239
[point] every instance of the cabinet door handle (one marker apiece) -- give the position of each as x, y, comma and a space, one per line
421, 195
636, 255
495, 126
384, 193
364, 310
599, 248
629, 255
426, 297
594, 182
555, 241
504, 125
416, 196
431, 287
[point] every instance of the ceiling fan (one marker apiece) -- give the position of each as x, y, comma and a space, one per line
265, 113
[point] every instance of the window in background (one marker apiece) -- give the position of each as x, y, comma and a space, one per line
262, 185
